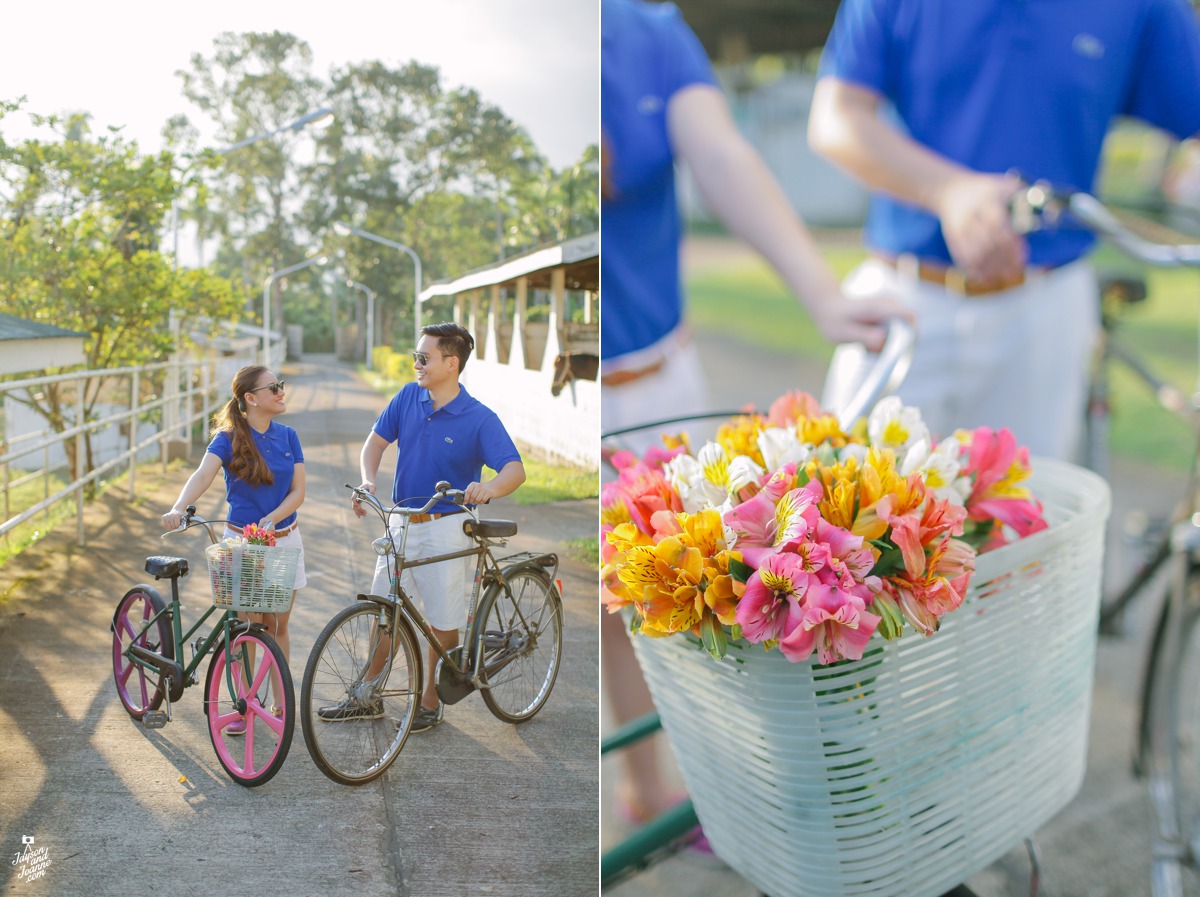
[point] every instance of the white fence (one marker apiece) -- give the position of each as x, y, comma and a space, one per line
142, 410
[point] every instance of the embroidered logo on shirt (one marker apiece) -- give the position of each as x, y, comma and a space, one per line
1088, 45
449, 440
650, 104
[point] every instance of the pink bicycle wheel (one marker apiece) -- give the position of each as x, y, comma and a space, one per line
251, 728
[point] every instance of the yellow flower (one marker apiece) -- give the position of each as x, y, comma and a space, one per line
824, 428
740, 437
723, 591
664, 582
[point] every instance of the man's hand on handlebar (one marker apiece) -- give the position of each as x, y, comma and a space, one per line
976, 222
478, 494
359, 510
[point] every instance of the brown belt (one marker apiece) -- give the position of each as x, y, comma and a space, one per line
952, 279
278, 532
424, 518
623, 378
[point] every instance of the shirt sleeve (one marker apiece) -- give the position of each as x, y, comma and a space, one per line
684, 60
858, 48
496, 445
387, 425
1165, 88
222, 448
294, 445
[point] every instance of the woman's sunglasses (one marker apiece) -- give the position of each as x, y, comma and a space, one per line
276, 387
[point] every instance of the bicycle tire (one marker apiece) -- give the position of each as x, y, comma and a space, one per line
519, 630
354, 750
1170, 734
252, 758
140, 691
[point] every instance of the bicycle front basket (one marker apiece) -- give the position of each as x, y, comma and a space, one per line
906, 772
257, 578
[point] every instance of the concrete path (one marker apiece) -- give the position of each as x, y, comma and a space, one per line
474, 807
1099, 845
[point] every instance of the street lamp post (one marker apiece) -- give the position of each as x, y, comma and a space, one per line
344, 229
370, 318
320, 118
271, 278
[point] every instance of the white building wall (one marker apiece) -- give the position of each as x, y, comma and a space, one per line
566, 426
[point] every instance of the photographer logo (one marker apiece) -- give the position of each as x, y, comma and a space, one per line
32, 861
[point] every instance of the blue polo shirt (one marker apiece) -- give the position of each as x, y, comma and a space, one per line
1030, 85
452, 443
647, 54
280, 447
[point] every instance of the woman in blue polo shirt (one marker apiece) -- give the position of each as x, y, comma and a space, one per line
264, 476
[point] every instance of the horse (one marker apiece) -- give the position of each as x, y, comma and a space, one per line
573, 366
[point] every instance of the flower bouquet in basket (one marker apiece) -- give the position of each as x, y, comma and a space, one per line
789, 532
250, 572
837, 745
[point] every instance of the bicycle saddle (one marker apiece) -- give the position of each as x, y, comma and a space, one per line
490, 529
162, 567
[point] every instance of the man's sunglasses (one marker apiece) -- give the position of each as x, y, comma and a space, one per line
422, 358
276, 387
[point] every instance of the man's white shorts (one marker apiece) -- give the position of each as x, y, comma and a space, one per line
439, 590
1017, 359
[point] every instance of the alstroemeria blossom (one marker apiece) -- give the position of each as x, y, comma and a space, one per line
894, 425
770, 607
832, 623
768, 521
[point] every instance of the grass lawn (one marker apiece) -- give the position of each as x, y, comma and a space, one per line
747, 300
546, 482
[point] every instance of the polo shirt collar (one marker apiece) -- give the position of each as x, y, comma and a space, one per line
457, 405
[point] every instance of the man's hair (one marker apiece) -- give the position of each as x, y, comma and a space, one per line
453, 339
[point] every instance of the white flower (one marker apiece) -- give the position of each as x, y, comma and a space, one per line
939, 469
743, 472
855, 450
894, 425
702, 481
780, 446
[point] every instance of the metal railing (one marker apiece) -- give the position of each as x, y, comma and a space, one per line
183, 391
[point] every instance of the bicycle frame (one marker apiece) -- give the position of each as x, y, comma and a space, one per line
183, 675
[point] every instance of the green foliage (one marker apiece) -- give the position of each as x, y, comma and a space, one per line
585, 550
79, 219
547, 482
390, 369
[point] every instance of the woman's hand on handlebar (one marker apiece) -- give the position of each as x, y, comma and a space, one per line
173, 520
860, 321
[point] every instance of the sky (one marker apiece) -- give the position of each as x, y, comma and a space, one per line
537, 60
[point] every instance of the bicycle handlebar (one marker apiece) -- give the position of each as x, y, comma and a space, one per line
192, 519
1039, 205
443, 492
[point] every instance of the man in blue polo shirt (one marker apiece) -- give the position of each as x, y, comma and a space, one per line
442, 433
931, 103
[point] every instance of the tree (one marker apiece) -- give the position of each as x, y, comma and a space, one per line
441, 171
79, 224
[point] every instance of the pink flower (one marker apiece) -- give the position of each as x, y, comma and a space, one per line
832, 623
940, 589
770, 606
792, 406
997, 464
769, 520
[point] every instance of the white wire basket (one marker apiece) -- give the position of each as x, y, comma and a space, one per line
258, 578
908, 771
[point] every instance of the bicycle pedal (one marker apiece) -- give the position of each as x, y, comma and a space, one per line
154, 719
